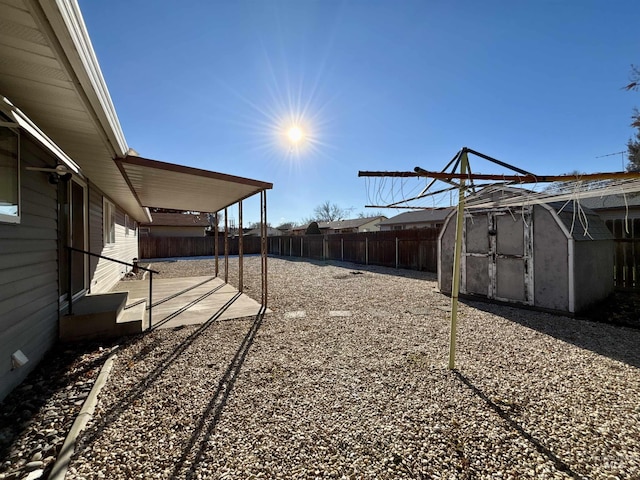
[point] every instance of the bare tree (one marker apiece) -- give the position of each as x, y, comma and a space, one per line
330, 212
370, 214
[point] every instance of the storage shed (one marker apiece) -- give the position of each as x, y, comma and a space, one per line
550, 256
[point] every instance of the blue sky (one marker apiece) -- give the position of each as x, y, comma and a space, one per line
375, 85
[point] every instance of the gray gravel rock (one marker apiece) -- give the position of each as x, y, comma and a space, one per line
29, 448
368, 395
364, 395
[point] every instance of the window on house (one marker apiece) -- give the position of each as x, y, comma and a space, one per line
109, 218
9, 175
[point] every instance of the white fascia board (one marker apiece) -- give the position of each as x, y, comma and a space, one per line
25, 122
69, 28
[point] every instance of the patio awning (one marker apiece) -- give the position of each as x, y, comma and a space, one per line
167, 185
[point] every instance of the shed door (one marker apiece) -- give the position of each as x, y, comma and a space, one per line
497, 258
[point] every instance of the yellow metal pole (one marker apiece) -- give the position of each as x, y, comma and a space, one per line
455, 281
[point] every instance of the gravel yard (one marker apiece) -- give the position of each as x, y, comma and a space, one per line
347, 378
357, 387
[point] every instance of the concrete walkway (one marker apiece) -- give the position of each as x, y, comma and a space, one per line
190, 301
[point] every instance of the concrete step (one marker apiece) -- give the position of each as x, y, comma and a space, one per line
104, 316
133, 319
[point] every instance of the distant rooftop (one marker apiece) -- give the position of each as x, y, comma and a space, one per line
342, 224
612, 201
419, 216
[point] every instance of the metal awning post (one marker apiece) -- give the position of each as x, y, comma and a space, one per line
226, 246
455, 281
215, 245
263, 245
240, 248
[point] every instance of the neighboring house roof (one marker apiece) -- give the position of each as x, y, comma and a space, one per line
341, 224
419, 216
347, 224
177, 220
612, 201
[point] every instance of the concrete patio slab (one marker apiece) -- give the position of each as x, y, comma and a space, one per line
191, 300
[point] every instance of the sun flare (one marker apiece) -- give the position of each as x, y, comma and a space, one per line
295, 134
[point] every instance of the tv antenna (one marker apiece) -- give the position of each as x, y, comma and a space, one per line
615, 153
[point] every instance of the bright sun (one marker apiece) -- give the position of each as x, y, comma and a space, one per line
295, 134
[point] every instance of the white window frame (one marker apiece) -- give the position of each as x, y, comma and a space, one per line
6, 218
108, 222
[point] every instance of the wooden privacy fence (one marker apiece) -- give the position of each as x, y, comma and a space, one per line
410, 249
626, 266
164, 247
626, 263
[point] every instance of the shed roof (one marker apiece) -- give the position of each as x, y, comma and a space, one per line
583, 224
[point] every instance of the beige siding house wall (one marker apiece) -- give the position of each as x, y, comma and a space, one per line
29, 270
105, 274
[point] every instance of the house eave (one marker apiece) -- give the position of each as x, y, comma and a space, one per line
68, 27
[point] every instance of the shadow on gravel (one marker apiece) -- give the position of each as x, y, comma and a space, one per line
211, 415
91, 434
559, 464
614, 341
51, 383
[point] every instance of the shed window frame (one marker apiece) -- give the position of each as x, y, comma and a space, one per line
6, 217
109, 222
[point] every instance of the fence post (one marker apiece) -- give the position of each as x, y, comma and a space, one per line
301, 247
366, 250
342, 249
397, 252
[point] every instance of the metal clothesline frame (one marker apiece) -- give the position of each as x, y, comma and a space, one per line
461, 161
